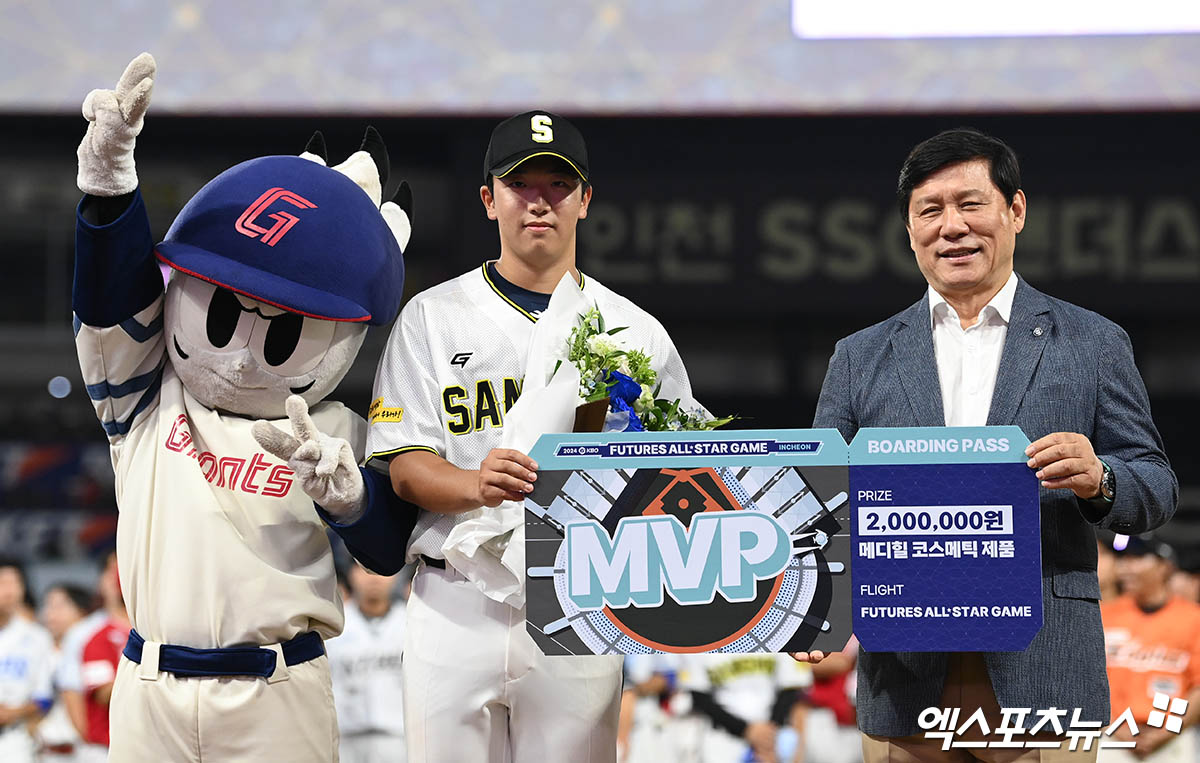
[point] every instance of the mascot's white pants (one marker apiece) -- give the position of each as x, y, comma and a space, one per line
477, 688
187, 719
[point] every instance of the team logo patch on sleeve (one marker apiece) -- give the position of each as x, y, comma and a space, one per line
380, 414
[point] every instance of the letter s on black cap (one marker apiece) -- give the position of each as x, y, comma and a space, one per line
534, 133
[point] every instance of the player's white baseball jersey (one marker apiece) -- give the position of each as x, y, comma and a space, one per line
26, 661
654, 737
745, 685
368, 685
454, 366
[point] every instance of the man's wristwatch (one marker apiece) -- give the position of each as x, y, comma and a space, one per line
1108, 484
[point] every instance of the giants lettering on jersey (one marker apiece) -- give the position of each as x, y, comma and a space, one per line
230, 471
465, 415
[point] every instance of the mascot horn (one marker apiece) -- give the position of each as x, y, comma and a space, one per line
278, 266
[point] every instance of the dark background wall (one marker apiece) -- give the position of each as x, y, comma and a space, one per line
757, 240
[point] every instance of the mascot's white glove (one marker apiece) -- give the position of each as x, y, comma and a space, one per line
114, 121
324, 465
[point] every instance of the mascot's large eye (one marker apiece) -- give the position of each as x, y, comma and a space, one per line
290, 344
223, 313
283, 335
210, 317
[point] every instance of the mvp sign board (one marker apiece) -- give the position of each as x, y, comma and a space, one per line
689, 542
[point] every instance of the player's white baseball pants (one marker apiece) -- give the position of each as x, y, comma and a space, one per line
477, 688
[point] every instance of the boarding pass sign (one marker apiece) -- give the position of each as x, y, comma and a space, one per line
946, 540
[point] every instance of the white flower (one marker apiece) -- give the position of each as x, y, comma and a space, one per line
623, 367
644, 401
602, 344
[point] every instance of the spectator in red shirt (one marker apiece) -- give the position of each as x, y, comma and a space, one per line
103, 652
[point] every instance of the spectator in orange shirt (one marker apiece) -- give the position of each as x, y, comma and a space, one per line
1152, 639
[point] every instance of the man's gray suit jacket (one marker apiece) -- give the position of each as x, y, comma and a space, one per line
1063, 369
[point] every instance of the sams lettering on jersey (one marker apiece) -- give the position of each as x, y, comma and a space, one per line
473, 413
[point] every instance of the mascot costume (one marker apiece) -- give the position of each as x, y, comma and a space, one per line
277, 267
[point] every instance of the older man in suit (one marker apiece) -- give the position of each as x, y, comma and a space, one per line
982, 346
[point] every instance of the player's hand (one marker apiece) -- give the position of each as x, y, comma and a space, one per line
761, 736
1149, 740
1067, 460
810, 657
505, 475
324, 465
114, 121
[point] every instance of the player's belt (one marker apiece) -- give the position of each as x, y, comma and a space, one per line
437, 564
230, 661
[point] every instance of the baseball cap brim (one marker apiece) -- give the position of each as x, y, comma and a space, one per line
508, 166
260, 285
1139, 546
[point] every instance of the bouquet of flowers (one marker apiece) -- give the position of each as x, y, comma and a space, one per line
608, 369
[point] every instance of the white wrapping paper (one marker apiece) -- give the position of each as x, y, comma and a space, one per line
489, 548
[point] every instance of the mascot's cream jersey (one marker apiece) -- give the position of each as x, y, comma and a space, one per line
218, 546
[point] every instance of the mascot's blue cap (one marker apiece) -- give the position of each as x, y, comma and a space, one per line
294, 234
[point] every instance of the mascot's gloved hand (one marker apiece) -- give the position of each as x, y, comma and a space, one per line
114, 121
324, 465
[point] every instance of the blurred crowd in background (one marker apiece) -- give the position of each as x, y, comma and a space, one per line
60, 642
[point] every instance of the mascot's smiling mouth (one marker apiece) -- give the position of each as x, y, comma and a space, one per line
178, 349
302, 390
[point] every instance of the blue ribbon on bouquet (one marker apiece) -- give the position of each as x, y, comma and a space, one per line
622, 392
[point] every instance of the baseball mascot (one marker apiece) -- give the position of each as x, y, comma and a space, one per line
277, 267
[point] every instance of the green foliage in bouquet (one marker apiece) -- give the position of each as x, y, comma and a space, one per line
602, 359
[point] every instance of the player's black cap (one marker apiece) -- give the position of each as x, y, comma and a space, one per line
1147, 544
534, 133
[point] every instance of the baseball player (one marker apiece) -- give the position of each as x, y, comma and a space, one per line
1152, 641
67, 678
649, 731
102, 655
367, 679
226, 568
747, 698
26, 657
476, 686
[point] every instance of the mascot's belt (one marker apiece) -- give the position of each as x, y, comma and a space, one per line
231, 661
